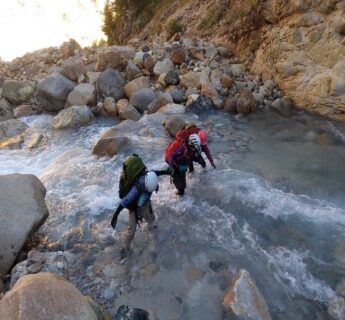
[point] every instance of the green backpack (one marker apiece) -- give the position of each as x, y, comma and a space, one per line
132, 167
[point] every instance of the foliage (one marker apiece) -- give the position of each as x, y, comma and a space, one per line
173, 27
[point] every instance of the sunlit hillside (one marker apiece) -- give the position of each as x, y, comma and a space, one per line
30, 25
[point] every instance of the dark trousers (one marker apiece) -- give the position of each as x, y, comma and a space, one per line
179, 181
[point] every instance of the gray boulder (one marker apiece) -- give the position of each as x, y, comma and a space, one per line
132, 71
5, 110
201, 104
109, 144
22, 212
23, 111
111, 84
135, 85
82, 94
53, 91
127, 111
142, 98
114, 57
172, 78
73, 67
18, 92
176, 94
11, 128
211, 52
163, 66
72, 117
162, 100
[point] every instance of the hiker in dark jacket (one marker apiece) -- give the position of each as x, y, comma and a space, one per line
138, 203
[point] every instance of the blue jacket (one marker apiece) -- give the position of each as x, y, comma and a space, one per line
137, 194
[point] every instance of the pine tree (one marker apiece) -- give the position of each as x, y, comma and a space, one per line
109, 22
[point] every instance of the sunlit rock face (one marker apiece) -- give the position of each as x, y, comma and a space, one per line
31, 24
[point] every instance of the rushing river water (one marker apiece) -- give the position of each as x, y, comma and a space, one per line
275, 206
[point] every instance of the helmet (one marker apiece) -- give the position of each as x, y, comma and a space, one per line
151, 181
203, 137
194, 142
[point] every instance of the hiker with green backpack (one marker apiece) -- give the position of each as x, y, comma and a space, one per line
135, 189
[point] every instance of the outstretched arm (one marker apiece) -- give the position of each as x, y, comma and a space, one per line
208, 154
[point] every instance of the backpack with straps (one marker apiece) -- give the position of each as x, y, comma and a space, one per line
184, 133
133, 166
171, 149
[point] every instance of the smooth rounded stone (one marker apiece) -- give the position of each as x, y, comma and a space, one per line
245, 300
71, 117
6, 112
18, 92
110, 106
178, 55
110, 146
135, 85
238, 70
172, 78
163, 67
148, 63
115, 57
53, 92
132, 71
227, 81
176, 94
12, 143
23, 111
201, 104
191, 80
11, 128
173, 124
127, 111
22, 212
73, 67
230, 105
82, 94
92, 77
142, 98
39, 296
111, 84
162, 100
246, 102
173, 108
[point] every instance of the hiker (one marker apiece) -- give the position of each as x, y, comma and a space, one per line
179, 155
191, 128
135, 189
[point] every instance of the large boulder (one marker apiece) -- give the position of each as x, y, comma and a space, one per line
132, 71
246, 102
114, 57
82, 94
5, 110
45, 296
191, 80
12, 143
53, 91
173, 108
74, 116
136, 85
111, 84
11, 128
23, 111
162, 100
18, 92
127, 111
201, 104
245, 300
22, 212
142, 98
73, 67
109, 144
173, 124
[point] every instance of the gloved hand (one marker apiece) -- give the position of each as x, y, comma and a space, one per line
115, 215
213, 165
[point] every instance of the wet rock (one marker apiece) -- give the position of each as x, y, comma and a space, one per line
35, 141
202, 104
163, 67
127, 111
127, 313
83, 94
244, 299
246, 102
23, 111
132, 71
162, 100
111, 84
42, 295
22, 212
173, 124
176, 94
71, 117
5, 110
12, 143
12, 127
109, 146
211, 52
115, 57
173, 108
135, 85
191, 80
178, 55
73, 67
230, 105
238, 69
172, 78
18, 92
53, 92
110, 106
142, 98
